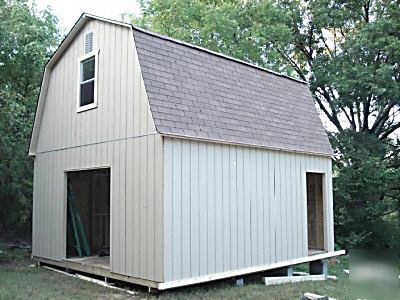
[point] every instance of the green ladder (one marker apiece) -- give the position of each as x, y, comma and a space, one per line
76, 223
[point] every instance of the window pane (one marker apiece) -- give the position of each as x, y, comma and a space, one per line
87, 93
88, 69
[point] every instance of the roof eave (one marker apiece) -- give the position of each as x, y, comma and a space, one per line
226, 142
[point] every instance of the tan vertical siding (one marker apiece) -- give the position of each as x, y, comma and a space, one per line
230, 207
120, 89
119, 134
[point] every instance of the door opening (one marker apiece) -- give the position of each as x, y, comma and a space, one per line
88, 215
315, 211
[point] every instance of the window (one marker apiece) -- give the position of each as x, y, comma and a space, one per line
87, 81
87, 76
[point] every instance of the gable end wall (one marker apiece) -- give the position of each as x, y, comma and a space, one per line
119, 134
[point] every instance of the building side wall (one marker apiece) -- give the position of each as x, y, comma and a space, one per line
118, 134
230, 207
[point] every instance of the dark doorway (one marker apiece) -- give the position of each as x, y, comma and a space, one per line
88, 213
315, 211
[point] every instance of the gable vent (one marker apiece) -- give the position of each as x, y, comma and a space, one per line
89, 42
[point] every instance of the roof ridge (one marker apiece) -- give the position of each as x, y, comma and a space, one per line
174, 40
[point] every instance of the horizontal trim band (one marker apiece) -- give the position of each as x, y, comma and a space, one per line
182, 136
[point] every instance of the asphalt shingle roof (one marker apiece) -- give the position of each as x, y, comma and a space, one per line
199, 94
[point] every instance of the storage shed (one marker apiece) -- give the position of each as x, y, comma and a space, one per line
165, 164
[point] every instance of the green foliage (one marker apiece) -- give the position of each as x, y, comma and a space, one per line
349, 52
366, 196
27, 38
228, 27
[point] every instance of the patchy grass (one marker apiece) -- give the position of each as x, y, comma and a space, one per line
20, 280
254, 289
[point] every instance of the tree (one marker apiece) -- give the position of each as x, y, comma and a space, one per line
349, 52
350, 55
27, 38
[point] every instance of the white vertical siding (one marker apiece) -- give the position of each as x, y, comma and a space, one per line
229, 207
119, 134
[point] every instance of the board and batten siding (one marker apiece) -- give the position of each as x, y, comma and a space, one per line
118, 134
229, 207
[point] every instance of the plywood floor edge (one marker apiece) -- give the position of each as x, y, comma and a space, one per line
96, 271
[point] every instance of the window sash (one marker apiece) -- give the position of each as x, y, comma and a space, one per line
89, 80
81, 60
88, 60
87, 94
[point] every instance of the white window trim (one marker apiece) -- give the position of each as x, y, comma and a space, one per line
96, 63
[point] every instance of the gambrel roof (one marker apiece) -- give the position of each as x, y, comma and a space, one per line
199, 94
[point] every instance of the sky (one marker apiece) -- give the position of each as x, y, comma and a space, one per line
68, 11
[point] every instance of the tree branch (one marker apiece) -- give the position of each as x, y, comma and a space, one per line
353, 119
358, 114
366, 112
389, 131
366, 7
381, 118
292, 63
346, 114
331, 116
322, 38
